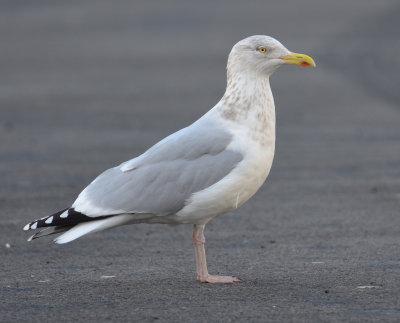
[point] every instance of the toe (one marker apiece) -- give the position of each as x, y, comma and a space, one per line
212, 279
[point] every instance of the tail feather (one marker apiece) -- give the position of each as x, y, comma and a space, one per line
49, 231
84, 228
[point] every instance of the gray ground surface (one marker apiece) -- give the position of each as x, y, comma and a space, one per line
85, 85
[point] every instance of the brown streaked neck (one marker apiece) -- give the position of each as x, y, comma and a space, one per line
247, 97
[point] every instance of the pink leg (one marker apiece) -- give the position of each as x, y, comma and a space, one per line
201, 263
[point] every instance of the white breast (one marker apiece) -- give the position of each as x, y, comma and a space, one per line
247, 111
242, 183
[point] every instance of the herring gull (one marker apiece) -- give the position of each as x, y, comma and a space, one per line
204, 170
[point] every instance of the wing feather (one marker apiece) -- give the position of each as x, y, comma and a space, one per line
164, 177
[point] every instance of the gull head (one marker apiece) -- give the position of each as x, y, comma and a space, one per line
262, 55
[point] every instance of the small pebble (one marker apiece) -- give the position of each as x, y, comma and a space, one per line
44, 281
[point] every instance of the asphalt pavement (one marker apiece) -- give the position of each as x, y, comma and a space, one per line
86, 85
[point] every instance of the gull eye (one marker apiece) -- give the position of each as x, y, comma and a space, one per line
262, 49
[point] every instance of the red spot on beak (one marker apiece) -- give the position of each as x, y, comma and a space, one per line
304, 64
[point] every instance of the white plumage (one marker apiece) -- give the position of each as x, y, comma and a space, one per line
204, 170
84, 228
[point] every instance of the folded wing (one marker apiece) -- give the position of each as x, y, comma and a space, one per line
161, 180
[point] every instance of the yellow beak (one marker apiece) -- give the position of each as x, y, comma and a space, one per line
298, 59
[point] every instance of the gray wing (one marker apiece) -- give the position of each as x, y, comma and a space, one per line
164, 177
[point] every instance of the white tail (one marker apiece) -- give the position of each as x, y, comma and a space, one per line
84, 228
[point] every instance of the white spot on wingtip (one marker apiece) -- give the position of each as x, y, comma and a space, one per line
64, 214
34, 226
49, 220
7, 245
30, 238
26, 228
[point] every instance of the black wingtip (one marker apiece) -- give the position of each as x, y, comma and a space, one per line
44, 222
67, 217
